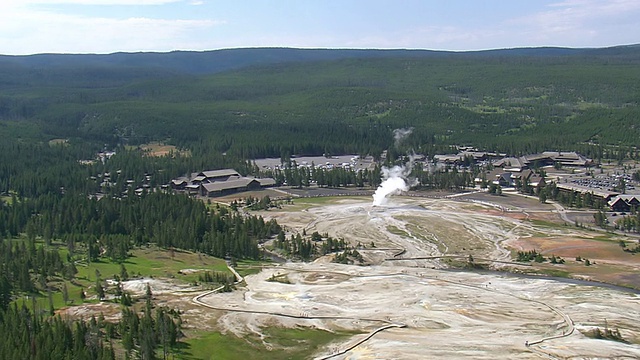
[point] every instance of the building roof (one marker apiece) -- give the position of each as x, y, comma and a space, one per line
570, 158
511, 162
199, 178
447, 157
267, 181
228, 185
219, 173
452, 158
629, 199
582, 189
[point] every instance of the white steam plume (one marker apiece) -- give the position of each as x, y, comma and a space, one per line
400, 134
396, 179
392, 183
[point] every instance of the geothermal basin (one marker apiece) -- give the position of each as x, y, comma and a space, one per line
409, 306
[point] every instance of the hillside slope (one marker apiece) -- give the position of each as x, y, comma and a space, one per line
279, 101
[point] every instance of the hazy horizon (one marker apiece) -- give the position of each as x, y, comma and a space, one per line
110, 26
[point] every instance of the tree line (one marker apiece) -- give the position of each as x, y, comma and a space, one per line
114, 225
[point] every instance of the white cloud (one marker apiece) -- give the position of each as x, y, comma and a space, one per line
583, 23
572, 23
35, 26
27, 31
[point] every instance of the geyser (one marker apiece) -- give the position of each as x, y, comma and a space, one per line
393, 182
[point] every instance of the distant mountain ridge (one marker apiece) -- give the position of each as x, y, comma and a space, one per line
215, 61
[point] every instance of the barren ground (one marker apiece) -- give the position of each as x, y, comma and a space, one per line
407, 305
447, 314
427, 311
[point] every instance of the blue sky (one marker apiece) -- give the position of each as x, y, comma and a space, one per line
105, 26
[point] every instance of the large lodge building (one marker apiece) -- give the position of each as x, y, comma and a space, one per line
219, 183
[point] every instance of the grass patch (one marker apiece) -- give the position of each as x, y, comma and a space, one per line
486, 109
162, 149
249, 267
283, 344
606, 237
300, 204
40, 301
396, 231
456, 263
553, 272
158, 261
145, 262
419, 233
547, 224
323, 200
246, 271
154, 262
54, 142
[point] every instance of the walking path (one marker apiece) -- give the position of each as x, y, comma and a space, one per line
569, 324
361, 341
389, 324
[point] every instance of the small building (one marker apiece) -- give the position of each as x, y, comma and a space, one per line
624, 203
618, 204
505, 179
179, 184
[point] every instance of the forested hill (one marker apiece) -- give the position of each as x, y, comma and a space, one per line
271, 102
209, 62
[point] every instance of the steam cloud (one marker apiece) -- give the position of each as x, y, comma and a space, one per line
393, 182
400, 134
396, 179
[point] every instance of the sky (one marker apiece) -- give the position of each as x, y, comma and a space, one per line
107, 26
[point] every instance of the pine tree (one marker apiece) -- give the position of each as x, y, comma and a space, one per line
124, 275
99, 290
65, 293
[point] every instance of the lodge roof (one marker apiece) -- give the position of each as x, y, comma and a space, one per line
267, 181
629, 199
219, 173
582, 189
228, 185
